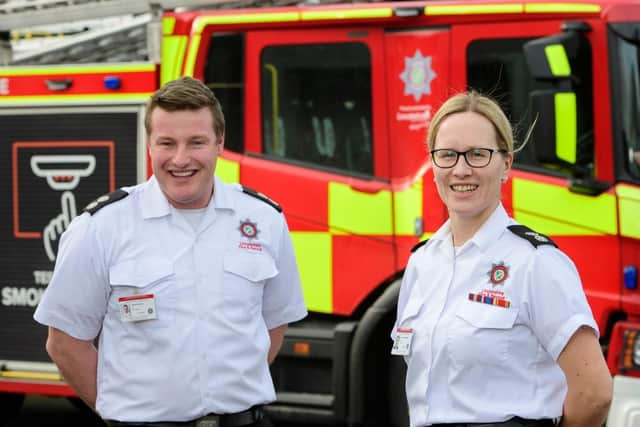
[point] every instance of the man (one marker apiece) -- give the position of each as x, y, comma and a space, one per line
207, 274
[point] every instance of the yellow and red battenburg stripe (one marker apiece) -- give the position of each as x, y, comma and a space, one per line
78, 84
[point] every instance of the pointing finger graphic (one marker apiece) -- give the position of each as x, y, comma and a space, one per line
59, 224
68, 202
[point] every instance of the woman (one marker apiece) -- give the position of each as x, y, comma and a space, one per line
492, 319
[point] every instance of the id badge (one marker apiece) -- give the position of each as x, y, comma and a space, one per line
402, 343
137, 307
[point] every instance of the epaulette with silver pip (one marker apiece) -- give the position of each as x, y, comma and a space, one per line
535, 238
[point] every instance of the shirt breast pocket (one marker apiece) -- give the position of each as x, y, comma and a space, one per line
481, 334
141, 277
245, 275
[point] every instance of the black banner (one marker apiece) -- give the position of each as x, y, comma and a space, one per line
51, 166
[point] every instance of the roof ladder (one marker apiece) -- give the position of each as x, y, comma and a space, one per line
17, 14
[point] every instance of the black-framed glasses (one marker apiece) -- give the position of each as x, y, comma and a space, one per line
476, 157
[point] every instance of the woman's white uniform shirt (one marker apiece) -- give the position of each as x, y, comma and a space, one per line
473, 361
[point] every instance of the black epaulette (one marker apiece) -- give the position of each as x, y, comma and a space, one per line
262, 197
418, 245
105, 200
535, 238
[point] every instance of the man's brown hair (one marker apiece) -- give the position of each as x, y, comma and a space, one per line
186, 93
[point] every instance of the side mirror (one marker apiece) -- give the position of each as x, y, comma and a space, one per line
554, 135
561, 62
549, 58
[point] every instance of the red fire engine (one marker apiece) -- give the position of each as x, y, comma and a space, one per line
327, 108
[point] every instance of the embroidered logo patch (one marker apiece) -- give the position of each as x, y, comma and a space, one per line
498, 274
249, 229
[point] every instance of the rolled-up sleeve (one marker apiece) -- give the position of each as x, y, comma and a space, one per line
75, 300
556, 301
283, 300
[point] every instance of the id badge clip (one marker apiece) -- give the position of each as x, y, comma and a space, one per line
137, 307
402, 343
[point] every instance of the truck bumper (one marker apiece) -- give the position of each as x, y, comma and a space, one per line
625, 407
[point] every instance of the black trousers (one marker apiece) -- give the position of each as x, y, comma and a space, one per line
264, 422
514, 422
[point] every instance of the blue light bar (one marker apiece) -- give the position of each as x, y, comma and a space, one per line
112, 82
630, 274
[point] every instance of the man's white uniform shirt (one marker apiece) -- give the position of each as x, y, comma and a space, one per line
471, 361
218, 290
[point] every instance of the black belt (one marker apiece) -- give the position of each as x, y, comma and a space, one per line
238, 419
513, 422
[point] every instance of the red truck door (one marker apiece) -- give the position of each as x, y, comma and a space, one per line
417, 75
316, 128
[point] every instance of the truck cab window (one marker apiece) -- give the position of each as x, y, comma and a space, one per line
224, 74
316, 105
498, 68
629, 81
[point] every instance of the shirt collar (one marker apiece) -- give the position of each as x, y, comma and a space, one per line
442, 239
221, 195
443, 233
488, 233
492, 228
155, 203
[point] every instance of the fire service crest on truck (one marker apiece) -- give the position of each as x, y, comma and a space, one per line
417, 75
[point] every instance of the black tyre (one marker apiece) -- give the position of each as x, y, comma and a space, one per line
10, 405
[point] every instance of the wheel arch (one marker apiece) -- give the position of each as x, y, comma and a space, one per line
370, 360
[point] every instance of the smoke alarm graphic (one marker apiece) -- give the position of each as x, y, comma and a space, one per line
63, 172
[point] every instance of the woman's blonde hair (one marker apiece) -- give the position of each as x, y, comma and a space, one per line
477, 103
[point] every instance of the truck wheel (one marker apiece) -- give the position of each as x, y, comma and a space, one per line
398, 408
10, 405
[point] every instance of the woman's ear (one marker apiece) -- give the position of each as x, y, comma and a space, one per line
508, 162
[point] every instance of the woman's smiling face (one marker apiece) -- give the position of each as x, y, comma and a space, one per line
470, 193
